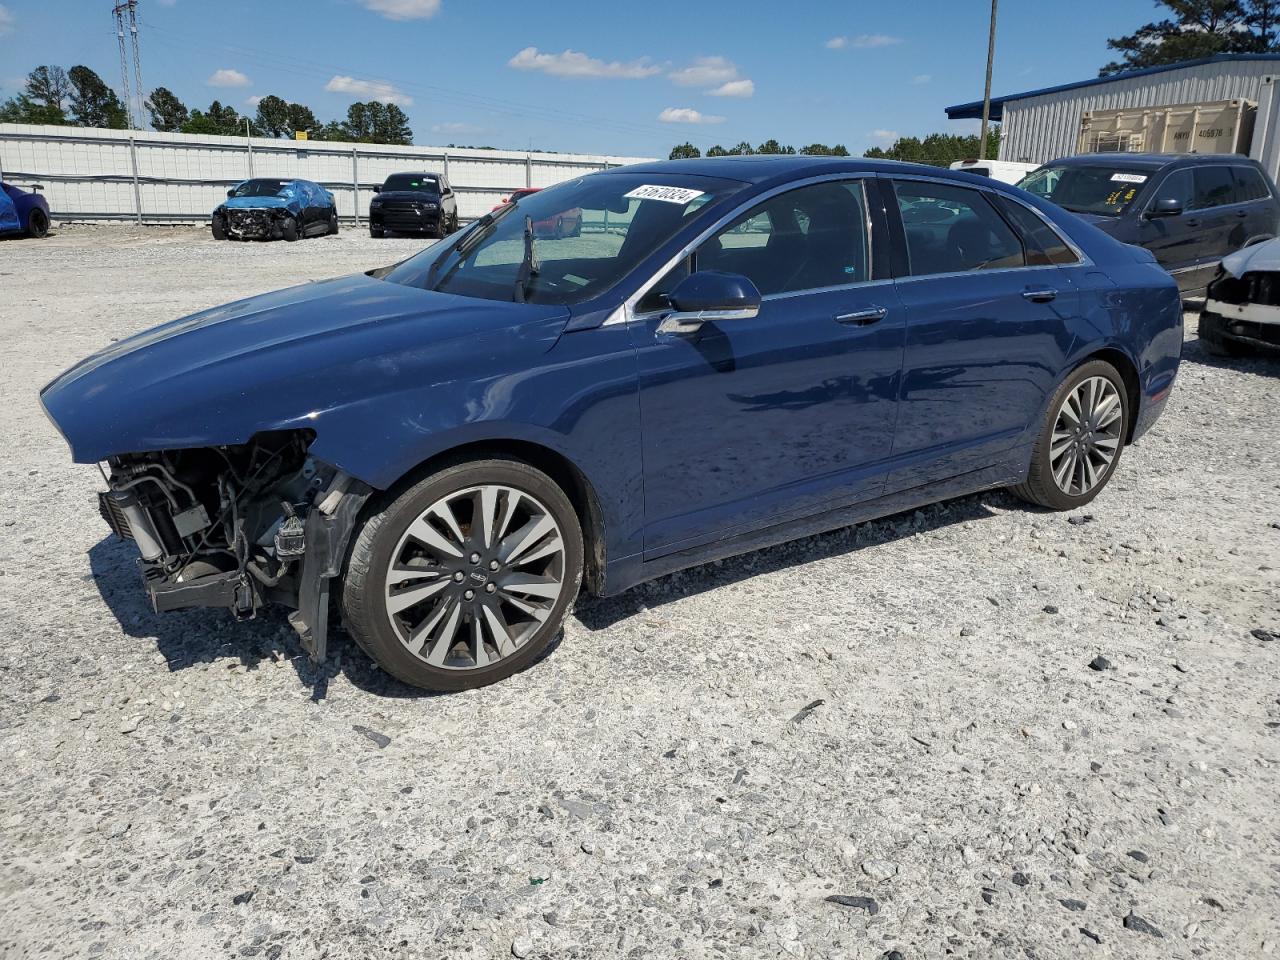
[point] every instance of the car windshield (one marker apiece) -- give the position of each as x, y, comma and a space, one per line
1102, 190
585, 234
412, 181
259, 188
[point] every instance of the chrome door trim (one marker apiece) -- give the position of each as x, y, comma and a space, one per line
627, 310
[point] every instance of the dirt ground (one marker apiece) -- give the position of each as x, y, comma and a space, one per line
901, 714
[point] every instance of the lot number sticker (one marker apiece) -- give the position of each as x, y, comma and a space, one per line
680, 195
1129, 178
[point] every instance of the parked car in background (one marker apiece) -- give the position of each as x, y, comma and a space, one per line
759, 348
23, 211
422, 203
1190, 210
265, 208
564, 223
1006, 171
1242, 305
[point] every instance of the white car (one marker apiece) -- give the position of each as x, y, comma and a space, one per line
1006, 171
1242, 306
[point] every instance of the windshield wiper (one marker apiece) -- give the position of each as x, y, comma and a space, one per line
466, 242
529, 266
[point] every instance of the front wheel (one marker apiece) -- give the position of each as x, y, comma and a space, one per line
37, 224
465, 577
289, 229
219, 229
1080, 440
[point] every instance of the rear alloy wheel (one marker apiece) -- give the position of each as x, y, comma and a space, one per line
37, 224
333, 222
465, 577
1081, 440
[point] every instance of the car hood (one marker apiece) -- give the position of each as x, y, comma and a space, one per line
1098, 220
259, 203
285, 360
1259, 258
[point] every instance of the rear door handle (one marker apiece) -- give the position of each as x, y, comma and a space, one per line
1242, 214
864, 317
1040, 294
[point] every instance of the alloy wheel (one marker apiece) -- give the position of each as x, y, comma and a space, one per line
1086, 436
474, 576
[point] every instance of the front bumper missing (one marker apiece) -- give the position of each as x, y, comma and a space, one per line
253, 224
1256, 324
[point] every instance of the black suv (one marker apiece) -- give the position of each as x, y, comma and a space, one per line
414, 203
1188, 209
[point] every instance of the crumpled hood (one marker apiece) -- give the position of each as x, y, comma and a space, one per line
261, 203
1260, 258
285, 360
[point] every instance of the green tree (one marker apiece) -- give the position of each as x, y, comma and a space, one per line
937, 149
717, 151
773, 147
743, 149
684, 151
1198, 28
279, 118
371, 122
93, 103
22, 109
218, 120
822, 150
49, 87
168, 113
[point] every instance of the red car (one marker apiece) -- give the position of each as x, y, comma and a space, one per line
567, 223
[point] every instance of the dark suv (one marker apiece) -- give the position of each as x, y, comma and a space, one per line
1190, 210
414, 203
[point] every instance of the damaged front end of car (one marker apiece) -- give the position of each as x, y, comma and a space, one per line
237, 526
255, 223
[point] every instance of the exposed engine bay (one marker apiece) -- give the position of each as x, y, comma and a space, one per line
256, 224
237, 526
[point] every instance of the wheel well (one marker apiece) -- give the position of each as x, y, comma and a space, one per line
1129, 374
556, 466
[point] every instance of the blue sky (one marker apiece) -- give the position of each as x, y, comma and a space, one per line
584, 75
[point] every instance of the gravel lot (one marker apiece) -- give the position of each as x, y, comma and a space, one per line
903, 714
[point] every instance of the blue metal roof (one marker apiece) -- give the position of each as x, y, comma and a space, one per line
971, 111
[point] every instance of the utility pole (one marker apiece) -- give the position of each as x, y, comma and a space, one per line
126, 15
986, 96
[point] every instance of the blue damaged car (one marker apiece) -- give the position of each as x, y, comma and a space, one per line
268, 209
731, 353
23, 211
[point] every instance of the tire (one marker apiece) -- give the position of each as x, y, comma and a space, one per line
289, 229
377, 233
37, 224
442, 228
1104, 433
446, 610
333, 221
1215, 343
219, 229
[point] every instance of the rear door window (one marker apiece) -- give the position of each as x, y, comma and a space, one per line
1043, 244
954, 230
1215, 187
1249, 184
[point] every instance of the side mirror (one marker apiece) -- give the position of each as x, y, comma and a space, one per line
710, 295
1168, 207
377, 189
231, 192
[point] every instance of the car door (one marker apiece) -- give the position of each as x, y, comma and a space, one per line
751, 422
1261, 213
1222, 218
988, 325
1177, 241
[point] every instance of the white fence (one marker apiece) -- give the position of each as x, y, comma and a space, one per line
152, 177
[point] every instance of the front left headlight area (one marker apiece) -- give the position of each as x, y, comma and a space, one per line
218, 526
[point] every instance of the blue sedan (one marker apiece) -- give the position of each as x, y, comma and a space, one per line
23, 211
732, 353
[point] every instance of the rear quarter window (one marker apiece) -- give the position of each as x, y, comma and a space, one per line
1249, 184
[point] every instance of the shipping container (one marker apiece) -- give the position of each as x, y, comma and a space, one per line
1214, 126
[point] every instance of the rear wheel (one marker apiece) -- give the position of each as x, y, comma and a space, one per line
376, 232
1080, 440
37, 224
333, 221
466, 577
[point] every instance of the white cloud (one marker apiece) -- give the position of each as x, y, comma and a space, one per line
837, 43
687, 115
457, 128
921, 78
167, 3
6, 20
253, 101
228, 78
571, 63
734, 88
368, 90
404, 9
884, 134
863, 40
705, 72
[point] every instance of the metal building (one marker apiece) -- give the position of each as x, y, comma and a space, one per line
1041, 125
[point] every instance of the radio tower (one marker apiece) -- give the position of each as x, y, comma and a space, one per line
126, 17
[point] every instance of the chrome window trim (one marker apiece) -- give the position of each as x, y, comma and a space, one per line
1082, 259
627, 311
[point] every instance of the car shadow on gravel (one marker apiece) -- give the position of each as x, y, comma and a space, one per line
1259, 362
187, 638
600, 613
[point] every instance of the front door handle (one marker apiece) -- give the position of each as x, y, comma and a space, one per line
1242, 214
863, 318
1040, 294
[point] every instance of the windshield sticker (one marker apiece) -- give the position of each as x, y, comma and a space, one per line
1129, 178
680, 195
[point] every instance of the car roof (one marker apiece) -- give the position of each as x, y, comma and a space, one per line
1148, 161
759, 169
